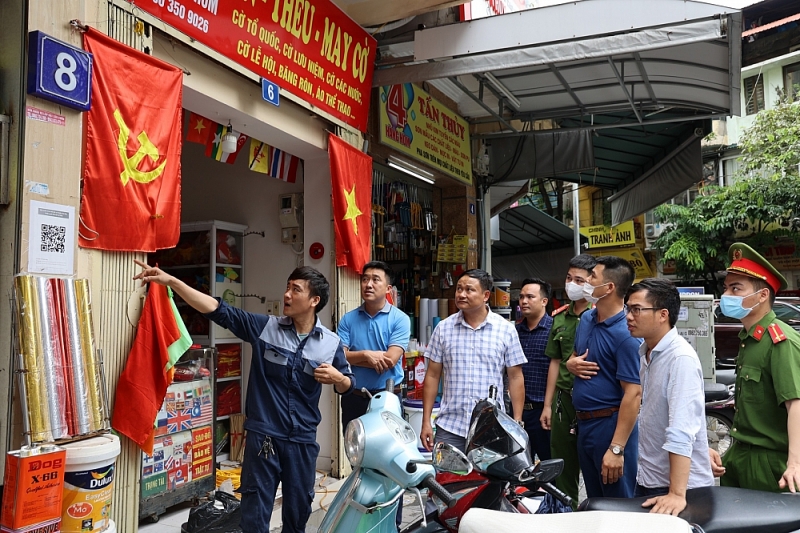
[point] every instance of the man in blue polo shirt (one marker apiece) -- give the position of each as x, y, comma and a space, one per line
292, 356
375, 336
608, 395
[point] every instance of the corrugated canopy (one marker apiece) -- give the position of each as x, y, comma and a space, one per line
527, 229
641, 76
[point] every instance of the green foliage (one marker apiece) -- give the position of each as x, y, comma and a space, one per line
761, 207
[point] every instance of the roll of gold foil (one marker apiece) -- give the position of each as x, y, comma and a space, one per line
31, 347
91, 363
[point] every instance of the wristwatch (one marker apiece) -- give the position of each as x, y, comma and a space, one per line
521, 423
616, 449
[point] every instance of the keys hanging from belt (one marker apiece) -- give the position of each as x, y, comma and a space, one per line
573, 427
266, 447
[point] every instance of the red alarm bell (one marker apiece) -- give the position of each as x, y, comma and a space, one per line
316, 250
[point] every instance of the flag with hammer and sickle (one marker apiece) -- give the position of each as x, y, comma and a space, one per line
132, 173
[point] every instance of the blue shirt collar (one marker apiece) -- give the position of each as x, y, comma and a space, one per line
387, 307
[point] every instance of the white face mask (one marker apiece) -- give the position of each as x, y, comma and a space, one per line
588, 291
574, 291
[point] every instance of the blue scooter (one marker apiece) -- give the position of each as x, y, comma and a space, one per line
382, 449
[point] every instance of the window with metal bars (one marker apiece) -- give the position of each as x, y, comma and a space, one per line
754, 93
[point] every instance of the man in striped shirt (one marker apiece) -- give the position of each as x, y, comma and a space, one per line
474, 348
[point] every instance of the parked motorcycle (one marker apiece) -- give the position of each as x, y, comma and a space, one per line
708, 510
382, 449
505, 478
719, 415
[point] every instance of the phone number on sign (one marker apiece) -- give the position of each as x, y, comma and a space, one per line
180, 11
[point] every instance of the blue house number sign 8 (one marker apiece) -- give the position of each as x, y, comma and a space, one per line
59, 72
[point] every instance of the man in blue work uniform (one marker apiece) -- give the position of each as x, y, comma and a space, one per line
375, 336
608, 395
292, 356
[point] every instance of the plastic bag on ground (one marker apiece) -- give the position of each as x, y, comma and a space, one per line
220, 515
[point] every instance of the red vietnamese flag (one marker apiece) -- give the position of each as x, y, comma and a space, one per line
351, 185
143, 383
131, 182
199, 128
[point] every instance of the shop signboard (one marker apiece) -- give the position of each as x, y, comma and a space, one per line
634, 256
604, 236
414, 123
309, 48
783, 256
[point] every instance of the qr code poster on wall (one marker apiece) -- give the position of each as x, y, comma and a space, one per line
51, 242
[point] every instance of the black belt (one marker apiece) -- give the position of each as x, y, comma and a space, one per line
530, 406
362, 394
600, 413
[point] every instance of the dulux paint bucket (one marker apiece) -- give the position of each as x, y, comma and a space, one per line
89, 484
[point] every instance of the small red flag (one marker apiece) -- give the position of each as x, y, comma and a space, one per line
132, 175
351, 184
199, 128
143, 384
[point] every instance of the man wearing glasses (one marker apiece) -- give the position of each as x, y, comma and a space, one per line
673, 445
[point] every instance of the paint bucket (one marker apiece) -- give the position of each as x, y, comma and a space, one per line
89, 484
412, 412
505, 313
502, 294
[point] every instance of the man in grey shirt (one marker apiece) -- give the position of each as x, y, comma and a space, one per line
673, 444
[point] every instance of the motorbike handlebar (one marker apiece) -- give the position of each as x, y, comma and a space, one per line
439, 491
556, 493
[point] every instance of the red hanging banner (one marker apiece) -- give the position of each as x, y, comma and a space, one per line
351, 186
307, 47
131, 183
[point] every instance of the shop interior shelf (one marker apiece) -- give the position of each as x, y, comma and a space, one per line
231, 378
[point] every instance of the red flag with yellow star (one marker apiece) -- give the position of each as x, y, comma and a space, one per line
351, 185
132, 172
199, 127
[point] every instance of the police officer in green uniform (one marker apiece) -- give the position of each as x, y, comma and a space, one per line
561, 421
765, 454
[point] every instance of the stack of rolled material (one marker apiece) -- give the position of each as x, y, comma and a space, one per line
62, 380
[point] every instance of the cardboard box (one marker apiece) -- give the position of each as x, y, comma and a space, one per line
32, 490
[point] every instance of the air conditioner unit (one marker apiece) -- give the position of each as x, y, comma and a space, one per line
653, 232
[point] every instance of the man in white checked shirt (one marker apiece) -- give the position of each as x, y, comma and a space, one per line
473, 347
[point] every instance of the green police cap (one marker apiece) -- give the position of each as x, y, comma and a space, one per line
746, 261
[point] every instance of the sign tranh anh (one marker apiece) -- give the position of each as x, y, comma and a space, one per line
308, 47
414, 123
603, 236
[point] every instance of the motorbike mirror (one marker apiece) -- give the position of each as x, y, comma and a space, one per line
547, 471
448, 458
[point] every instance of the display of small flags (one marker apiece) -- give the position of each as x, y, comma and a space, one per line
214, 145
277, 163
